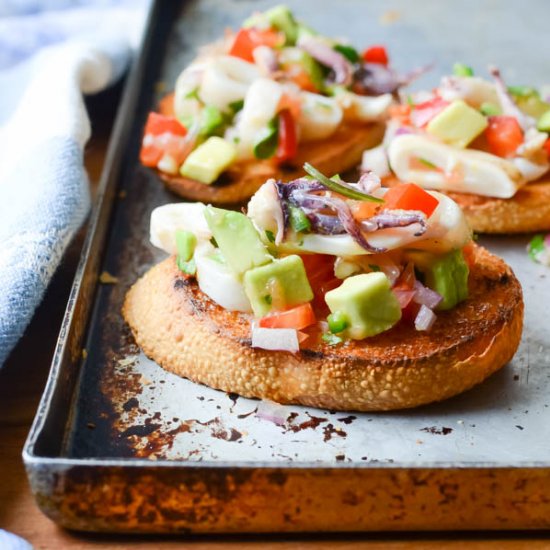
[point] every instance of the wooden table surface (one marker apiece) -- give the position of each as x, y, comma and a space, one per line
22, 381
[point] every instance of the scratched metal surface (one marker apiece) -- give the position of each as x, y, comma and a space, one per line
129, 407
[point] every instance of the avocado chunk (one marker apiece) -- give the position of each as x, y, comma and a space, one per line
237, 239
209, 160
367, 303
282, 284
543, 123
290, 57
447, 275
283, 20
185, 244
458, 124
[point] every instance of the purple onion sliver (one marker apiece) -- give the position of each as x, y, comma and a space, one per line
547, 241
426, 296
325, 55
401, 131
404, 297
424, 319
369, 182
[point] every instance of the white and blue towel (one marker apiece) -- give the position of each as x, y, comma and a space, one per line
51, 52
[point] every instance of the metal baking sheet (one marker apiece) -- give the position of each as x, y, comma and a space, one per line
121, 445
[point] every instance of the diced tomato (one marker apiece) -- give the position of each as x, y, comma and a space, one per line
376, 54
546, 146
158, 124
410, 311
298, 317
409, 196
469, 254
166, 105
424, 112
362, 210
246, 40
402, 113
407, 278
288, 142
150, 155
504, 135
292, 103
320, 274
302, 79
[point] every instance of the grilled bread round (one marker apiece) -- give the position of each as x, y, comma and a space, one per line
188, 334
528, 210
336, 154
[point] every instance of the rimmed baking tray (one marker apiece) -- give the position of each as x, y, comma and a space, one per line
118, 444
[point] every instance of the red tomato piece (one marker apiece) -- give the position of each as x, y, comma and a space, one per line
150, 155
364, 210
298, 317
546, 146
158, 124
409, 196
246, 40
243, 46
166, 105
320, 274
288, 142
504, 135
424, 112
376, 54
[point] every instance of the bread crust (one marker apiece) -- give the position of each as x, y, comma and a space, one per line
527, 211
338, 153
188, 334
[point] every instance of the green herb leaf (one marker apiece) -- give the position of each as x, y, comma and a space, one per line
193, 94
523, 91
459, 69
490, 109
350, 53
536, 246
374, 267
266, 146
338, 187
270, 236
212, 121
427, 163
298, 220
331, 339
236, 106
268, 299
189, 267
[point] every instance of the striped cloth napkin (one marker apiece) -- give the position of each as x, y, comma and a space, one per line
51, 53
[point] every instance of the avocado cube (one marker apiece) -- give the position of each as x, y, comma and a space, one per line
283, 19
448, 276
458, 124
367, 302
209, 160
237, 239
279, 285
543, 123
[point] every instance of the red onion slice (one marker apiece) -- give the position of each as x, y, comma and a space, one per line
404, 297
325, 55
426, 296
275, 339
424, 319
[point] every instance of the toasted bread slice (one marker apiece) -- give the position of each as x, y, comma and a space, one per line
340, 152
186, 333
528, 210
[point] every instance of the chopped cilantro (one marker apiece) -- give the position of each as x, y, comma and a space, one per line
374, 267
270, 236
268, 299
536, 246
427, 163
331, 339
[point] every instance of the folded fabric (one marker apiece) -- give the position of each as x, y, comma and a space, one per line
44, 195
